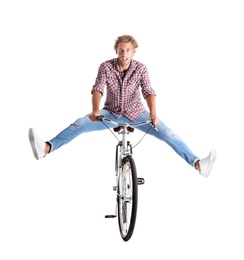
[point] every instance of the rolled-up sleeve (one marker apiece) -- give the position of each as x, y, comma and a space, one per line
100, 80
146, 87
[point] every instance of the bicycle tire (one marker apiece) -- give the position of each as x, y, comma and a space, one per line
127, 198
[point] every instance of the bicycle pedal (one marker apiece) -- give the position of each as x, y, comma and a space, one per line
140, 181
110, 216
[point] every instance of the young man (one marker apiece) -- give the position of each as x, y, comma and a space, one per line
124, 79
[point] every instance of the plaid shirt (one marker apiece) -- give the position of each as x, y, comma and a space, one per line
123, 95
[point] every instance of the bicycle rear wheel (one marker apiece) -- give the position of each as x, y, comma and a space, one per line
127, 198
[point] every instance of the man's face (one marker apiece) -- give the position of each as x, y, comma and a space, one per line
125, 53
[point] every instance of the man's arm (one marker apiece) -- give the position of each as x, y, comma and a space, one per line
151, 103
96, 100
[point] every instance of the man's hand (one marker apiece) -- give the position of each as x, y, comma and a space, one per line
93, 116
154, 118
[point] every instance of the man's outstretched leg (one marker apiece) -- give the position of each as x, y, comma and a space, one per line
163, 133
80, 126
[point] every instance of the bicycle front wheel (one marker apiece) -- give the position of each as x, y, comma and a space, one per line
127, 198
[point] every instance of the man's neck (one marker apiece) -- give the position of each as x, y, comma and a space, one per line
123, 68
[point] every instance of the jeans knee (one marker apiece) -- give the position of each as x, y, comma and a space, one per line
172, 135
168, 133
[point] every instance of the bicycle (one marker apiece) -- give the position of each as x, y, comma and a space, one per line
126, 177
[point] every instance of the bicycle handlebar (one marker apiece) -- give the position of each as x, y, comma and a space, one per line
102, 118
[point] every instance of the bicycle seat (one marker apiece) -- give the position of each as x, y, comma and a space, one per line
129, 129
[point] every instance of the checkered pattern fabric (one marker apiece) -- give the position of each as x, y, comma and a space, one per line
123, 90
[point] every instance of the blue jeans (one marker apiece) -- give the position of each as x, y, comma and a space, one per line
84, 125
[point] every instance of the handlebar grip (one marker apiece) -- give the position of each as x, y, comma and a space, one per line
100, 118
153, 125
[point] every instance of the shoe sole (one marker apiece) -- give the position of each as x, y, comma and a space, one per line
32, 142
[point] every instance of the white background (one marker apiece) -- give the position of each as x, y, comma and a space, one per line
54, 208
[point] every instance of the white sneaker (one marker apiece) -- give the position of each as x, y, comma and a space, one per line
38, 146
207, 163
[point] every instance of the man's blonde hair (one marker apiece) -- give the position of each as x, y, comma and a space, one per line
125, 38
